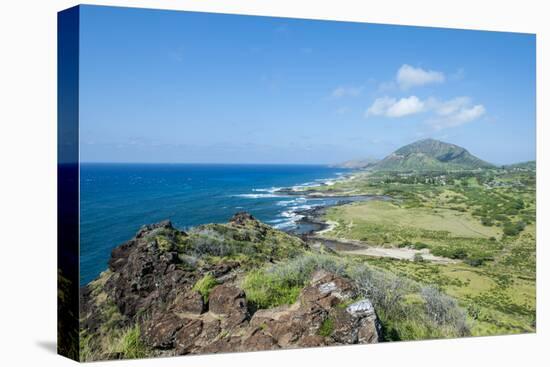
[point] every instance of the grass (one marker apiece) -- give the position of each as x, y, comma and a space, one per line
281, 283
251, 244
327, 327
484, 219
494, 305
398, 301
357, 220
205, 285
115, 344
129, 344
265, 291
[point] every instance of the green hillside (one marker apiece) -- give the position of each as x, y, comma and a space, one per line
430, 155
530, 165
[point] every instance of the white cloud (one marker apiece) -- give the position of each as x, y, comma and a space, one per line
406, 106
444, 114
461, 117
391, 107
380, 106
451, 106
409, 76
349, 91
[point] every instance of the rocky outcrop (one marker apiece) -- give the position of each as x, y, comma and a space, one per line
147, 271
328, 312
152, 280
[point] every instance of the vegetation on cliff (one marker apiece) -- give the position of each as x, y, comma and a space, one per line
246, 286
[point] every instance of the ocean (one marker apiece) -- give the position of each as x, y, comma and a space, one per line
117, 199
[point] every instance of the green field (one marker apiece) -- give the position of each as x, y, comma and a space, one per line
484, 220
356, 219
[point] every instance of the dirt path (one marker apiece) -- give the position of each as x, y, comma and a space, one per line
400, 253
361, 248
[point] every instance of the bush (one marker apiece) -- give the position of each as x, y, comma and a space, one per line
405, 244
474, 262
513, 229
401, 320
452, 253
487, 221
419, 246
327, 327
418, 258
385, 290
264, 290
130, 344
205, 285
281, 284
444, 310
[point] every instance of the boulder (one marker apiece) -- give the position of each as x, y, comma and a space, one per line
241, 218
327, 290
227, 300
185, 338
369, 327
161, 330
189, 302
357, 323
259, 340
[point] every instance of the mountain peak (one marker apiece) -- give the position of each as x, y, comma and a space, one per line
430, 155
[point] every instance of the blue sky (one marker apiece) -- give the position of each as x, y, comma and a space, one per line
163, 86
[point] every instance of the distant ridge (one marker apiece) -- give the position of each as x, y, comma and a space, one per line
358, 163
531, 165
430, 155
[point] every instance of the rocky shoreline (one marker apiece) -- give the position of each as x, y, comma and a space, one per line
312, 218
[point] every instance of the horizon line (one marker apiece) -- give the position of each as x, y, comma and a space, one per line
213, 163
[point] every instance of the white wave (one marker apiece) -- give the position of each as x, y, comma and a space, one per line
284, 225
256, 196
291, 202
277, 221
270, 190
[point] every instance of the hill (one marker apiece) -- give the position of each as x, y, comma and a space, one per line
529, 165
358, 163
430, 155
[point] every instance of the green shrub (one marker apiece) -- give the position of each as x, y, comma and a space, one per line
130, 344
264, 290
444, 310
487, 221
281, 283
419, 246
513, 229
418, 258
452, 253
327, 327
405, 244
204, 286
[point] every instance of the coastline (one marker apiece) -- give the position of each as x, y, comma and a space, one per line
312, 228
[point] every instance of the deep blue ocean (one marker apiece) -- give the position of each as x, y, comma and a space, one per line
116, 199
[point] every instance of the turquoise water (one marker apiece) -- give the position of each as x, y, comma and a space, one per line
116, 199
